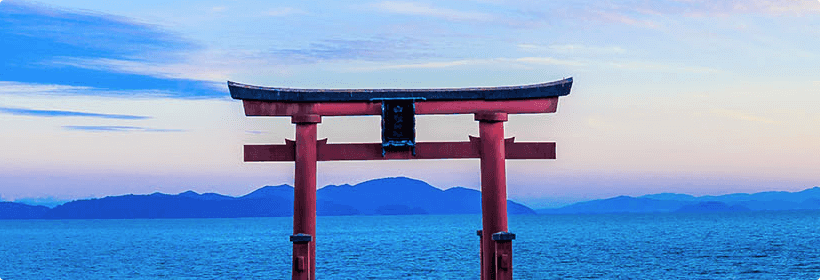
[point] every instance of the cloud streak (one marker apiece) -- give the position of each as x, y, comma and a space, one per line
47, 45
62, 113
664, 15
29, 88
532, 61
703, 8
626, 19
765, 7
422, 9
470, 62
283, 11
17, 88
56, 31
145, 68
661, 67
572, 49
373, 49
111, 128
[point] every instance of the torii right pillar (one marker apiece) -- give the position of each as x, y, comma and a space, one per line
496, 242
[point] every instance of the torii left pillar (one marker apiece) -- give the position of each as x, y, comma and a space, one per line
496, 248
304, 194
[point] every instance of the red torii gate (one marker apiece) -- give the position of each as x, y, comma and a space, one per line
398, 108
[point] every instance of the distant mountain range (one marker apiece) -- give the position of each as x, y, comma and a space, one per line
387, 196
671, 202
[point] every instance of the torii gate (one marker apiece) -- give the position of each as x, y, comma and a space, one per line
398, 108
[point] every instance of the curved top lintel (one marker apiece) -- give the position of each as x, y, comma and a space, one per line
278, 94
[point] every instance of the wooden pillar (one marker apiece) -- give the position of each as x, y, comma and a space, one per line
301, 256
502, 242
493, 192
304, 197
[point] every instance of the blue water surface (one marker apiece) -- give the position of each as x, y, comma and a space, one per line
756, 245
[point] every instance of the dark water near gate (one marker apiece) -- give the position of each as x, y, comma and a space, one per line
773, 245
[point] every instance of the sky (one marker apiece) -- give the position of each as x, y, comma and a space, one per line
702, 97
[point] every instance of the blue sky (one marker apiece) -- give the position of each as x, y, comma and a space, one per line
702, 97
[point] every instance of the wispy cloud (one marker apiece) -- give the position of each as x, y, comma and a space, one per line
741, 116
701, 8
29, 88
626, 19
142, 67
767, 7
284, 11
427, 65
467, 62
106, 128
372, 49
102, 35
572, 49
423, 9
63, 113
18, 88
546, 60
50, 45
550, 61
661, 67
659, 15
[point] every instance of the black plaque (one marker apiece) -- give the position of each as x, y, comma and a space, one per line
398, 125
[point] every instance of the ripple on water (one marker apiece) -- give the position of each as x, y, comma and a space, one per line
780, 245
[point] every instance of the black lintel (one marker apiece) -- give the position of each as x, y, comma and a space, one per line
543, 90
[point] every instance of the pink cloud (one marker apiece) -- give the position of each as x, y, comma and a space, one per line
699, 8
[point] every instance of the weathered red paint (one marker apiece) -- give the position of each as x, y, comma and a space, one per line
491, 116
524, 106
373, 151
306, 118
493, 189
304, 194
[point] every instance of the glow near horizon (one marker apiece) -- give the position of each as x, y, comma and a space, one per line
706, 100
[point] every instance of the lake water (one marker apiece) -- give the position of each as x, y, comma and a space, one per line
763, 245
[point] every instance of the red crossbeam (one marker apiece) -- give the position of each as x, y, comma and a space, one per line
526, 106
373, 151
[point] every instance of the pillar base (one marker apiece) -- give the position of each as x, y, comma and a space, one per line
503, 236
301, 238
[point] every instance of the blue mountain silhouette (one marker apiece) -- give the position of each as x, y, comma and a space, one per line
387, 196
671, 202
13, 210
